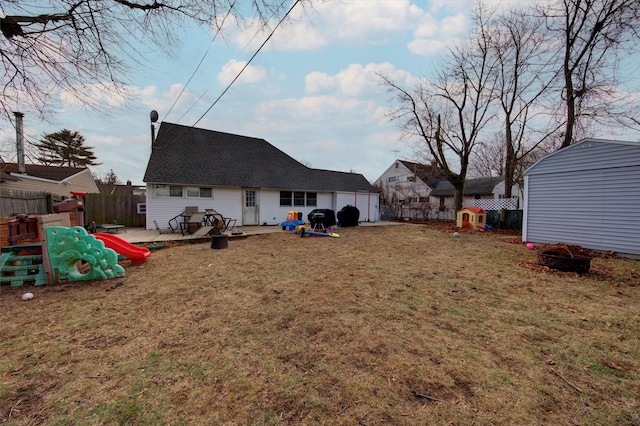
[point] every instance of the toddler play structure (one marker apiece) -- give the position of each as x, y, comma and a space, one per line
53, 252
473, 218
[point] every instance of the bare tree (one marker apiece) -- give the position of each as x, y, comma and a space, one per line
87, 46
525, 77
592, 35
449, 114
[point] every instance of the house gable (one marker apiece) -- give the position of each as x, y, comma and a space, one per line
57, 180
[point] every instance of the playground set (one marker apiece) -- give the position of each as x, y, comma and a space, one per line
47, 249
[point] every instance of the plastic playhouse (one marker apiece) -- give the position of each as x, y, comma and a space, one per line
473, 218
46, 249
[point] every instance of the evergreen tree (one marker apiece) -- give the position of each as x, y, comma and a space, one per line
65, 148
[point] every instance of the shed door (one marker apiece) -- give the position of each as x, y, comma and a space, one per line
250, 209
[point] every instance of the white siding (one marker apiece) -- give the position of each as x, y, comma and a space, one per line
367, 203
227, 201
81, 182
404, 184
272, 213
575, 199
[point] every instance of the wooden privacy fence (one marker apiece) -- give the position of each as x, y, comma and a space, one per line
16, 202
105, 208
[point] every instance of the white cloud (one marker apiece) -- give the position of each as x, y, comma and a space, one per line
356, 79
231, 69
99, 96
344, 23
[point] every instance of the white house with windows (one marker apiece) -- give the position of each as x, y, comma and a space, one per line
405, 188
244, 178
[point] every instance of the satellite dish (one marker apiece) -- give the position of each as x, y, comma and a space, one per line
154, 116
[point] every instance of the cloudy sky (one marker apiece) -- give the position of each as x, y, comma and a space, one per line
312, 91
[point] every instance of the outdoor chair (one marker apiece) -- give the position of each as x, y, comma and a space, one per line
224, 222
195, 221
163, 231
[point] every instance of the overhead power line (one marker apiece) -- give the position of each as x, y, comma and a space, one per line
247, 64
234, 79
201, 60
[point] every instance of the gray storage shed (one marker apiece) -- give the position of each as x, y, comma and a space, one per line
587, 194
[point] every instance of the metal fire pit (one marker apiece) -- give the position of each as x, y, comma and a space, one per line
564, 259
219, 241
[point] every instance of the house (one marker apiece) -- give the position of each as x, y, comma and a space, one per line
242, 177
120, 189
587, 194
57, 180
405, 188
475, 192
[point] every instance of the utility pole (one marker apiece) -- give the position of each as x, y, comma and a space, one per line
20, 142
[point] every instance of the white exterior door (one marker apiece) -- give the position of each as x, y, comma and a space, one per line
250, 209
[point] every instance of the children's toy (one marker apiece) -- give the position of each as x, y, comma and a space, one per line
135, 254
473, 218
294, 219
304, 232
75, 255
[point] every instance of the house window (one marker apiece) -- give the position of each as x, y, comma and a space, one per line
312, 199
196, 192
250, 198
424, 199
141, 208
442, 208
298, 198
286, 198
477, 197
411, 178
168, 191
392, 179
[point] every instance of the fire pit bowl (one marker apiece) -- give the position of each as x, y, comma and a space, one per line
565, 259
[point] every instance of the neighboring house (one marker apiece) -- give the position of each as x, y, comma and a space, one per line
491, 188
119, 189
57, 180
587, 194
405, 188
243, 178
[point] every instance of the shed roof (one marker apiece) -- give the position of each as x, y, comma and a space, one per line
190, 156
481, 186
588, 154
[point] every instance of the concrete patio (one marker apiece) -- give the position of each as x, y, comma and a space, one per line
141, 235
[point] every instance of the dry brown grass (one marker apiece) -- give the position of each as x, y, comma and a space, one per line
385, 325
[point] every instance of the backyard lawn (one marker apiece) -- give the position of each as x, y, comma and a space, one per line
395, 325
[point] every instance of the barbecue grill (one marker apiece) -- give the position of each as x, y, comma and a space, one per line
321, 219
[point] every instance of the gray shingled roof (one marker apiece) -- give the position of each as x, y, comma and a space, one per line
482, 186
431, 175
56, 173
185, 155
